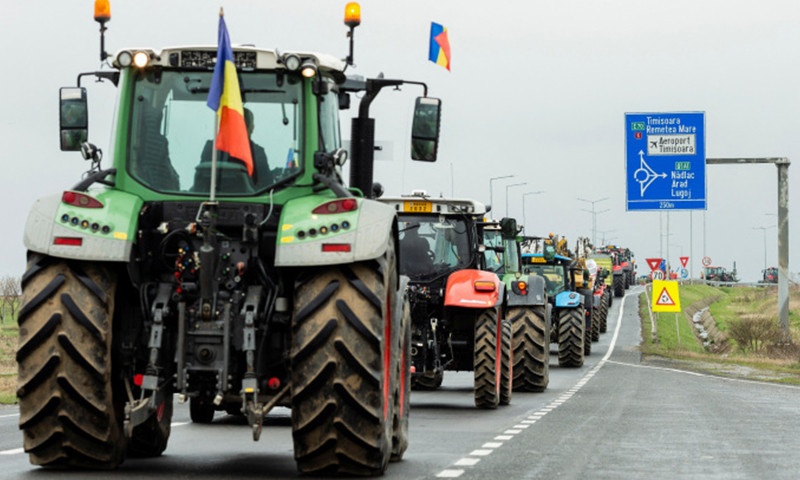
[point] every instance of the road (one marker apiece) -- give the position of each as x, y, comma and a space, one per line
614, 418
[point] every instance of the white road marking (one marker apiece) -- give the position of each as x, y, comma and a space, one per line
509, 434
13, 451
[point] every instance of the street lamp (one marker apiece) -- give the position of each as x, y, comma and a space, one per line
764, 230
509, 186
491, 199
603, 233
524, 218
594, 215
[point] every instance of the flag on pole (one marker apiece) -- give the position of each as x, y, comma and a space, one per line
439, 51
225, 98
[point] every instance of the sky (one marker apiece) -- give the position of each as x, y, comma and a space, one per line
537, 90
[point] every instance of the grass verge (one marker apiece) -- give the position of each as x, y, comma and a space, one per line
676, 342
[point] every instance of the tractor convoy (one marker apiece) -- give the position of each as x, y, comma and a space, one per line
183, 269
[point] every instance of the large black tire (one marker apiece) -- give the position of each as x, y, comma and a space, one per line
506, 364
341, 355
619, 285
402, 384
605, 304
486, 359
531, 345
570, 337
597, 316
67, 410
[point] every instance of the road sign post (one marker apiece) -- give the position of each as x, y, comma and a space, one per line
665, 161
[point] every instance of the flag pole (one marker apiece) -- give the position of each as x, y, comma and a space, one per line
213, 186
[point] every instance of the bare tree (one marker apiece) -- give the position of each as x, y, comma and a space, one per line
9, 297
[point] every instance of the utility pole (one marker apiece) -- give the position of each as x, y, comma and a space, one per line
491, 197
594, 215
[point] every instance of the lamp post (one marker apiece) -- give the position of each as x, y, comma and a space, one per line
491, 198
509, 186
594, 215
524, 218
764, 230
603, 233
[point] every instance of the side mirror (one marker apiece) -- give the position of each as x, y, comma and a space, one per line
425, 129
73, 118
509, 227
549, 251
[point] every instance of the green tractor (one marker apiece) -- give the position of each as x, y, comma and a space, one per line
166, 274
526, 305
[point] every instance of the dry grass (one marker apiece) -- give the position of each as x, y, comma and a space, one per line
8, 365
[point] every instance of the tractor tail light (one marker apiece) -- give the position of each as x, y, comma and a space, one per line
484, 286
337, 206
77, 199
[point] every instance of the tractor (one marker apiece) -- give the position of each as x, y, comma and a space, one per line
623, 273
457, 313
769, 275
171, 275
549, 258
526, 305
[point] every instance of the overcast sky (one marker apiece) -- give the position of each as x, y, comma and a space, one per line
537, 89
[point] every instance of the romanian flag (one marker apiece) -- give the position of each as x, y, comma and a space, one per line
439, 51
225, 98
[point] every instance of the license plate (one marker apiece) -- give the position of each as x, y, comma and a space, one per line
417, 207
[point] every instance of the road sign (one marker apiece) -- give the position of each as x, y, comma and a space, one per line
684, 273
684, 260
665, 156
666, 297
706, 261
653, 263
657, 275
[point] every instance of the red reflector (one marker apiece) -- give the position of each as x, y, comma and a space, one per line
68, 241
138, 379
484, 286
335, 247
77, 199
274, 383
337, 206
413, 369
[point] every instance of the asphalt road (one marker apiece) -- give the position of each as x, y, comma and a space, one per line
614, 418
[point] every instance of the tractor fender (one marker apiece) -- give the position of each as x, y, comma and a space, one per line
472, 289
104, 233
534, 293
309, 234
569, 300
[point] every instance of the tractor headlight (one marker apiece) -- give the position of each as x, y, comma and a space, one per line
141, 59
124, 59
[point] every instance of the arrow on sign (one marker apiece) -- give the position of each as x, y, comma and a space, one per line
653, 263
684, 260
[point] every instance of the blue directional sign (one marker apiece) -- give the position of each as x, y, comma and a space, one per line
665, 158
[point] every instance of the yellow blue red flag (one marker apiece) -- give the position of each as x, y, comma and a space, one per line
439, 50
225, 98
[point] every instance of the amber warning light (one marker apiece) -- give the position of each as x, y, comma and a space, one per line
102, 11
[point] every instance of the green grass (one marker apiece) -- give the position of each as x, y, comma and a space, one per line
729, 304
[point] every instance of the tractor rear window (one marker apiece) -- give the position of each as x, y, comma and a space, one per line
431, 245
172, 133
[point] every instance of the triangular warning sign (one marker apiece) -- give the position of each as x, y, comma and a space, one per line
666, 296
664, 299
653, 263
684, 260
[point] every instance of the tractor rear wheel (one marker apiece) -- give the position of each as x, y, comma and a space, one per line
531, 345
486, 359
619, 285
67, 411
506, 364
605, 304
402, 383
597, 317
570, 337
341, 367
